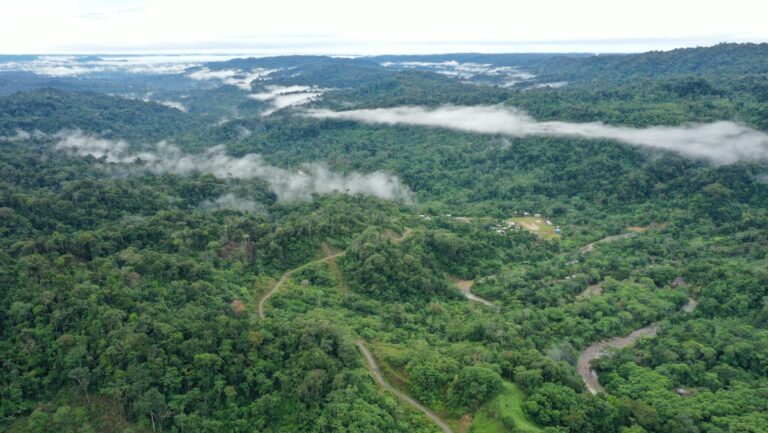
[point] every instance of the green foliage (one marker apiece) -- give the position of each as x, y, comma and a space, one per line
474, 385
118, 287
51, 110
384, 269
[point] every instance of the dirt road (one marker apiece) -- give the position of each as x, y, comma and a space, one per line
466, 288
597, 350
690, 306
284, 278
374, 368
591, 246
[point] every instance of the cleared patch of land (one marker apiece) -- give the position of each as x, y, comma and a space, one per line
508, 405
284, 278
591, 291
637, 229
537, 226
690, 306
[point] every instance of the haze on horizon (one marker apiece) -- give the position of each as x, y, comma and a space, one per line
345, 27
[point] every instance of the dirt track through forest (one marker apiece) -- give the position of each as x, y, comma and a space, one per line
466, 288
596, 350
591, 246
284, 278
374, 369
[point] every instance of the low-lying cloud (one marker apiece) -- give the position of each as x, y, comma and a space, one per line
21, 135
231, 201
72, 66
173, 104
302, 183
719, 142
510, 75
287, 96
232, 77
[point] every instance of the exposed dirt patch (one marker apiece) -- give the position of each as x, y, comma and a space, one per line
534, 227
464, 285
465, 423
466, 288
397, 237
591, 291
238, 307
690, 306
328, 250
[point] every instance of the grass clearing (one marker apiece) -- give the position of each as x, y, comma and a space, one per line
537, 226
504, 413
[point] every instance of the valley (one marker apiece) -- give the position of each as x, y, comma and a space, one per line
465, 243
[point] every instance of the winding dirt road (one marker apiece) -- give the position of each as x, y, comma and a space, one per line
591, 246
284, 278
466, 288
374, 368
597, 350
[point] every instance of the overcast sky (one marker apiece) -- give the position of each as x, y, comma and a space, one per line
367, 27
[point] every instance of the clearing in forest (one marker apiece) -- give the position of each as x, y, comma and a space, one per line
537, 226
397, 237
592, 290
507, 405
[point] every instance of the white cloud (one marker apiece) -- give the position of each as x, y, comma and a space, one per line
719, 142
274, 91
233, 77
311, 178
173, 104
343, 27
551, 85
22, 135
231, 201
466, 71
70, 66
287, 96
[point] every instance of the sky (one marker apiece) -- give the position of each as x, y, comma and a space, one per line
358, 27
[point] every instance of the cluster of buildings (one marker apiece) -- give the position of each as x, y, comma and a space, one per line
503, 227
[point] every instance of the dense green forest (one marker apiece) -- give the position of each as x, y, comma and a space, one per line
138, 294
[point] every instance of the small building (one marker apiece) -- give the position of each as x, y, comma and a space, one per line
557, 230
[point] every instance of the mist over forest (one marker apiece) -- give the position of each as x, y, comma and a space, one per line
544, 242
